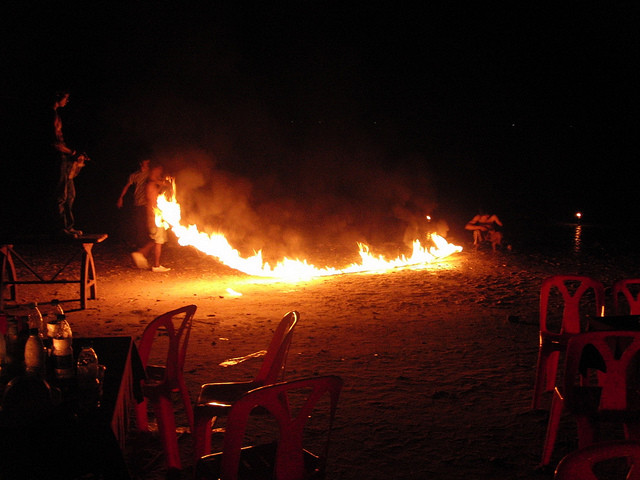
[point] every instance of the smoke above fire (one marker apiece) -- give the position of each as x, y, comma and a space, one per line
287, 188
320, 204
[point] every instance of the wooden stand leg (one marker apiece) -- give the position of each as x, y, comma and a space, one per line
88, 287
8, 274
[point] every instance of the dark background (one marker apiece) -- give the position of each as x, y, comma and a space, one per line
327, 121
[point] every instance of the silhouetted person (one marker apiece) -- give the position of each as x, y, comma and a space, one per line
139, 180
486, 228
70, 164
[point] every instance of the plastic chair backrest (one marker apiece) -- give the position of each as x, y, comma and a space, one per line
632, 297
178, 341
275, 360
579, 465
571, 300
611, 354
289, 462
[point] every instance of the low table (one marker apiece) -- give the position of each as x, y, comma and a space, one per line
87, 279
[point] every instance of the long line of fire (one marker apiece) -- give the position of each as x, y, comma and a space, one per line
216, 245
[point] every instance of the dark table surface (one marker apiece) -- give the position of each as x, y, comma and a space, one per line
43, 438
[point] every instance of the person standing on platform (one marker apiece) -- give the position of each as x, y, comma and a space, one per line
139, 180
71, 162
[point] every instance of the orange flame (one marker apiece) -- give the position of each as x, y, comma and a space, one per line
215, 244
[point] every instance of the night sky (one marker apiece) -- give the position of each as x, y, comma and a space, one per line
324, 116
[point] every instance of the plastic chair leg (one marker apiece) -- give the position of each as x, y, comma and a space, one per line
142, 419
186, 401
163, 408
632, 431
540, 380
552, 428
202, 435
546, 371
586, 431
552, 370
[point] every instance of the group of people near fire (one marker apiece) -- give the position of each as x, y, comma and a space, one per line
149, 182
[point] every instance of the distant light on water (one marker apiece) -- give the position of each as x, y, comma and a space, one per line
577, 239
577, 235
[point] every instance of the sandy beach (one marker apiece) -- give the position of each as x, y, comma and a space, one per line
438, 363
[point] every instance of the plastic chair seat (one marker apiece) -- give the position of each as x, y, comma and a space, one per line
586, 400
580, 465
155, 374
217, 398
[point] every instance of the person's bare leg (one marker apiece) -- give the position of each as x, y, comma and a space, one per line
156, 254
140, 256
146, 250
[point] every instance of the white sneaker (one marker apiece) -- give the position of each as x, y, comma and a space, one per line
140, 260
160, 269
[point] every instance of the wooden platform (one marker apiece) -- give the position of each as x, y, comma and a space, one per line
81, 245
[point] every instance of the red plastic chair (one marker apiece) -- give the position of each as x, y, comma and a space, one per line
580, 465
600, 385
166, 341
630, 289
554, 342
215, 399
285, 459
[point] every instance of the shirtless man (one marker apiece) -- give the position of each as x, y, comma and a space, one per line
139, 180
485, 227
157, 235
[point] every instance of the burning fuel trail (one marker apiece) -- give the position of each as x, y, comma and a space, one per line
216, 245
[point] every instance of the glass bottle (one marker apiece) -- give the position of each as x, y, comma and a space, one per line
51, 311
87, 365
36, 320
88, 382
12, 342
3, 352
62, 350
57, 307
35, 354
14, 350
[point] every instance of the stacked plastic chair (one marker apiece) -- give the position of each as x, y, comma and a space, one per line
166, 338
600, 385
216, 399
552, 343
